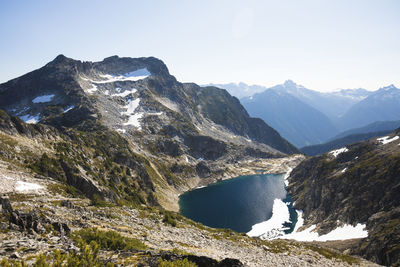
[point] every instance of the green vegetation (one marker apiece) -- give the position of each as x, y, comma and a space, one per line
176, 263
88, 256
65, 189
48, 166
97, 200
169, 218
331, 254
108, 240
103, 156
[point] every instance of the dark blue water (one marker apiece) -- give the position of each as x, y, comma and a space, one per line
237, 203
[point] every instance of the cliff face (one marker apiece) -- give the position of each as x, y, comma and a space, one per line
359, 185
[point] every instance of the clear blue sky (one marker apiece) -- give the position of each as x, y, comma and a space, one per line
323, 45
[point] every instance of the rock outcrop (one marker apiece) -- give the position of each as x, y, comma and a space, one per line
359, 185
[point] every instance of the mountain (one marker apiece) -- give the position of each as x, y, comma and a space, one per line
132, 109
377, 126
382, 105
294, 119
356, 184
341, 142
93, 157
326, 103
316, 114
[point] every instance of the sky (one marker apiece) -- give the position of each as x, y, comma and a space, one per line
323, 45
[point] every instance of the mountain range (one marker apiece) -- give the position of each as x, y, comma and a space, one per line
94, 156
325, 114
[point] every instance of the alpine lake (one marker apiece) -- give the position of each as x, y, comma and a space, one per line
237, 203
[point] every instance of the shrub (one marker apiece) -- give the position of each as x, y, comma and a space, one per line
109, 240
97, 200
169, 218
176, 263
86, 257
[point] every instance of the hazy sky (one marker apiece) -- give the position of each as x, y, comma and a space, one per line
323, 45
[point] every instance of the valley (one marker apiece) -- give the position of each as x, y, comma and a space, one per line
199, 133
92, 151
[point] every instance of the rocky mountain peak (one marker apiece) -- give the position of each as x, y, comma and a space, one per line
289, 83
390, 87
136, 96
63, 61
116, 65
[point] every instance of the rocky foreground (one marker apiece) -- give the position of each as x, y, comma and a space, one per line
43, 215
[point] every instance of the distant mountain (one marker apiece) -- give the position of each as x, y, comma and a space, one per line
327, 103
295, 120
341, 142
300, 127
240, 90
382, 105
377, 126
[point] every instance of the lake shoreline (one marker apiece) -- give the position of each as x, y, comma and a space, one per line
267, 166
241, 168
239, 203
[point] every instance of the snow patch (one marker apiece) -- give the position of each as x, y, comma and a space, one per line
130, 111
121, 130
30, 118
24, 186
138, 73
344, 170
386, 140
272, 228
340, 233
69, 108
92, 89
130, 76
43, 98
125, 93
134, 120
131, 107
287, 174
336, 152
154, 113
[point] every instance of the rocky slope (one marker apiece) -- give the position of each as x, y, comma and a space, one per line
128, 126
359, 184
43, 220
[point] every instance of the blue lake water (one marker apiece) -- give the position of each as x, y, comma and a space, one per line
237, 203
